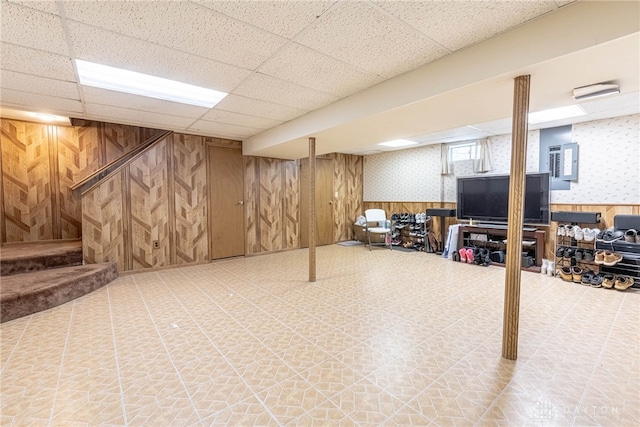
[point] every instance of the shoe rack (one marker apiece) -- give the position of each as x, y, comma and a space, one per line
570, 252
410, 230
629, 266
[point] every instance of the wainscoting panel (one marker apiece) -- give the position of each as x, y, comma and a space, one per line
190, 186
118, 140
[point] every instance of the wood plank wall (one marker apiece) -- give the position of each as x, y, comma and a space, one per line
39, 164
272, 194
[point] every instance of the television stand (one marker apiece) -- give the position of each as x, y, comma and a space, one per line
493, 238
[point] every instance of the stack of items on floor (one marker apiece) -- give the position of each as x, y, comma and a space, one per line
478, 256
411, 231
591, 266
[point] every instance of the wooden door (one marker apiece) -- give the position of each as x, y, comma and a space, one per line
226, 202
324, 202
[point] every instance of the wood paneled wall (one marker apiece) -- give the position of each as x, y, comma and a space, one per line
271, 204
156, 206
272, 197
348, 184
39, 165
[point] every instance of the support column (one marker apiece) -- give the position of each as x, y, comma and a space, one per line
515, 217
312, 209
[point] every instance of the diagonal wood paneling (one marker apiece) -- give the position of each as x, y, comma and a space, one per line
118, 140
26, 175
102, 223
340, 231
291, 235
70, 168
354, 191
149, 208
190, 180
251, 203
271, 196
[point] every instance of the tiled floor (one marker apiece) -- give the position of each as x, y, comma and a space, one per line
382, 338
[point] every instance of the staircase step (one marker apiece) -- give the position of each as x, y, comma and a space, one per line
17, 258
28, 293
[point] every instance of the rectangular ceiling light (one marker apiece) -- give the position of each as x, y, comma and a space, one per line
556, 114
398, 143
111, 78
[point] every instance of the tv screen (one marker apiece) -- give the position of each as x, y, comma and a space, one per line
486, 198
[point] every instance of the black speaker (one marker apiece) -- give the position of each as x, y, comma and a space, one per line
576, 217
625, 222
441, 212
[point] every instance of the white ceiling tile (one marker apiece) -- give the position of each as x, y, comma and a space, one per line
255, 107
456, 24
28, 27
300, 65
18, 99
221, 116
37, 62
222, 129
361, 34
285, 18
135, 117
39, 85
150, 58
44, 6
94, 95
207, 34
267, 88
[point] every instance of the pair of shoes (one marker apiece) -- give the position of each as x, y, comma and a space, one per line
548, 267
609, 235
607, 258
467, 255
632, 236
596, 281
585, 278
566, 274
577, 233
562, 231
623, 283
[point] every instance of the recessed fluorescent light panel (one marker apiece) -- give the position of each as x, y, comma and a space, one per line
398, 143
111, 78
556, 114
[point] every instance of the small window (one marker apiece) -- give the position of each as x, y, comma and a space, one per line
466, 151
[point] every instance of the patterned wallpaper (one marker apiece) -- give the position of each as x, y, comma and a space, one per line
403, 176
609, 162
609, 167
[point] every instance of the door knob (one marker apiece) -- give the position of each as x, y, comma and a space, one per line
241, 202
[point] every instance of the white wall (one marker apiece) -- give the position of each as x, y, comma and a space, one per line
608, 167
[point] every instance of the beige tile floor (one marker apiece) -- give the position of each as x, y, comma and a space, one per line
382, 338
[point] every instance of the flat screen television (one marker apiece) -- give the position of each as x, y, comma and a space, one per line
486, 198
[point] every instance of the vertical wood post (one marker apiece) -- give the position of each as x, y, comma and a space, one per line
515, 217
312, 209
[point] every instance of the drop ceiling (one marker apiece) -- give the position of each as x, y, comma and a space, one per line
350, 73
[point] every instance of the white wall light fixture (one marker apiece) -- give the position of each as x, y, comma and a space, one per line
112, 78
595, 91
